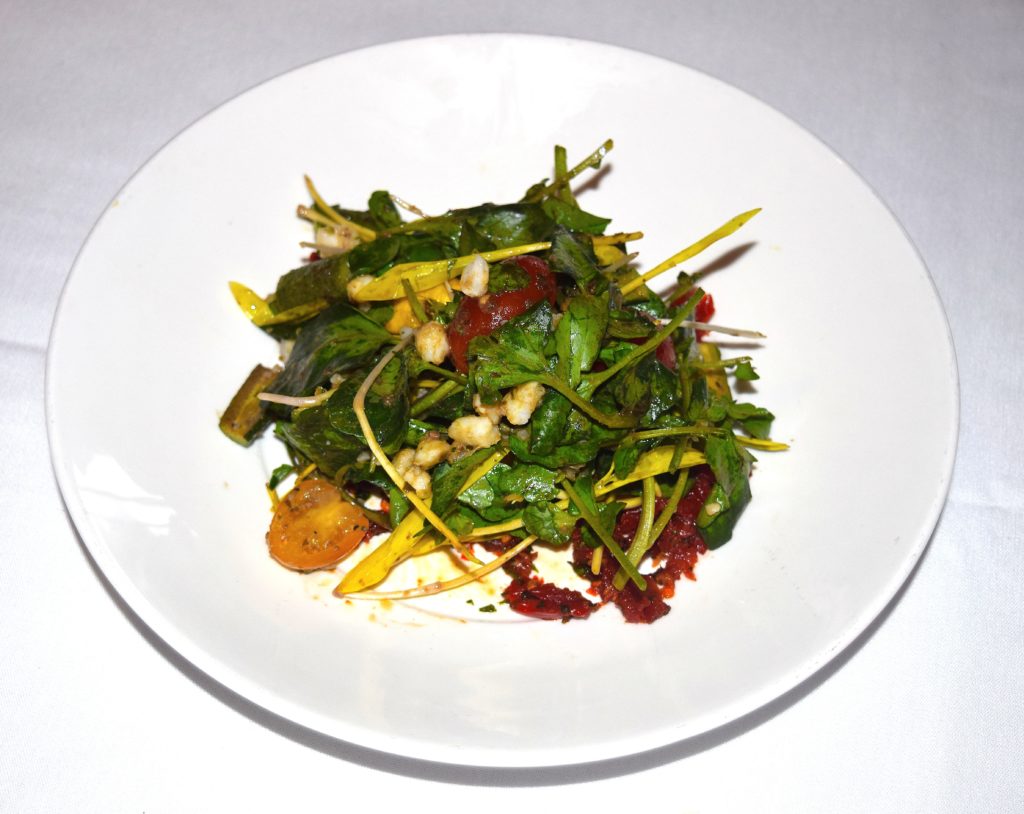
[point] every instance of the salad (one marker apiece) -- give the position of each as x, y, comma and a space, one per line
493, 380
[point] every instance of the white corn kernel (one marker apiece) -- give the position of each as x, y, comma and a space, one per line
431, 451
521, 401
494, 412
474, 431
403, 460
356, 283
475, 277
418, 480
432, 343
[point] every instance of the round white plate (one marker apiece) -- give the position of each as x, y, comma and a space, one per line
148, 346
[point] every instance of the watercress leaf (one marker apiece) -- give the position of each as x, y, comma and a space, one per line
447, 479
509, 224
579, 335
625, 459
513, 354
506, 277
338, 340
547, 424
573, 218
755, 420
745, 372
550, 523
627, 323
613, 351
531, 482
470, 241
571, 256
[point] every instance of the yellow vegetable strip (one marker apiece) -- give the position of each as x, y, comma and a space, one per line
258, 309
762, 443
655, 462
692, 250
328, 210
359, 407
439, 587
379, 562
486, 466
432, 272
306, 213
404, 541
619, 237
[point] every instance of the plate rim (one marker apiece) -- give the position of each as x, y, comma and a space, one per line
252, 692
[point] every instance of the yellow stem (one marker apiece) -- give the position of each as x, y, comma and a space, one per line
458, 582
326, 209
692, 250
359, 407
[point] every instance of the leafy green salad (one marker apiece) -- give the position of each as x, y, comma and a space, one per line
493, 380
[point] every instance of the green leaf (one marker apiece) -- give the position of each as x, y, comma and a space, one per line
279, 474
531, 482
511, 355
336, 341
571, 256
571, 217
375, 257
330, 435
506, 277
318, 440
550, 523
386, 405
383, 211
628, 323
625, 460
731, 469
321, 279
755, 420
508, 224
745, 372
579, 335
447, 479
548, 422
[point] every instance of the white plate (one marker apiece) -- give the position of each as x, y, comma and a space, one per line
148, 346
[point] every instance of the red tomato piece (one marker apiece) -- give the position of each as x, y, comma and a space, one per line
481, 316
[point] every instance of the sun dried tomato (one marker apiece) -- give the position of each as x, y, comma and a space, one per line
480, 316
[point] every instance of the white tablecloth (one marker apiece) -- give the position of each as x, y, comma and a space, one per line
925, 712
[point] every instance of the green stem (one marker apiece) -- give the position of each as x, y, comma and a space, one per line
414, 303
438, 394
605, 537
451, 375
670, 508
669, 432
613, 421
592, 160
561, 170
642, 538
592, 381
